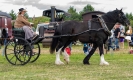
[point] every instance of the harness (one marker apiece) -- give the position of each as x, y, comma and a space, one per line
104, 26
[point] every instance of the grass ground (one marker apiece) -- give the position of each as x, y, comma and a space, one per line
120, 68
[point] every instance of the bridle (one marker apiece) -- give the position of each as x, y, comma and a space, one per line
122, 17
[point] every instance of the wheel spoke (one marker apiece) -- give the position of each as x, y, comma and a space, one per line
12, 44
15, 51
36, 52
15, 61
12, 57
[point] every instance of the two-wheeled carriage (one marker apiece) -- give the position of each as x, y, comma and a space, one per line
19, 51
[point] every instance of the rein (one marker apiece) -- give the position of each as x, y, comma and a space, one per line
98, 21
70, 35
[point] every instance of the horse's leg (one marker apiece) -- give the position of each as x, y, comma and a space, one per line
66, 56
58, 52
86, 59
102, 60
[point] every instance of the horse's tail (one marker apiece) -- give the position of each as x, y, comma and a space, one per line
54, 43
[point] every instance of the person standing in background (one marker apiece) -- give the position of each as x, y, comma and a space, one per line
117, 35
111, 40
87, 48
122, 36
128, 35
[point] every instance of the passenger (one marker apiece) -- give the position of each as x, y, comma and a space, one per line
22, 22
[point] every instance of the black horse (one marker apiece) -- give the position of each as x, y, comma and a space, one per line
96, 34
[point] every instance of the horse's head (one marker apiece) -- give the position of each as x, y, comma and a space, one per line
122, 18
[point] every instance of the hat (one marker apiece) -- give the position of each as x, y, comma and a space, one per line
22, 9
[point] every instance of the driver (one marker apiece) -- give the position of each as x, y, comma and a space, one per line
22, 22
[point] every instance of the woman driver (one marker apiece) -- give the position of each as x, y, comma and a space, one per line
22, 22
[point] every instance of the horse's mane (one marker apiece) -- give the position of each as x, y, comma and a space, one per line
111, 14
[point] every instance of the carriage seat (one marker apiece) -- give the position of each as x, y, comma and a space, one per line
18, 32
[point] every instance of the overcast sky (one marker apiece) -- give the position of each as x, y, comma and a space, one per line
35, 7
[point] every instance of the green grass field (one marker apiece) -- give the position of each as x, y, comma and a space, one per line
120, 68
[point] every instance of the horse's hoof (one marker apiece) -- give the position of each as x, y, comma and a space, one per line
66, 58
104, 63
59, 63
67, 61
86, 63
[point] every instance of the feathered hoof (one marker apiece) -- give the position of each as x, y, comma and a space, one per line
67, 61
59, 63
104, 63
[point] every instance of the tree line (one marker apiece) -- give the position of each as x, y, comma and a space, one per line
78, 15
72, 11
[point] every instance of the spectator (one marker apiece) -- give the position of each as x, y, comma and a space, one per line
5, 42
87, 48
128, 35
111, 40
122, 37
117, 35
4, 36
131, 42
122, 28
131, 45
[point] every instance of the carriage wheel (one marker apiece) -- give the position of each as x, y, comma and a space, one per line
9, 52
23, 51
36, 52
18, 51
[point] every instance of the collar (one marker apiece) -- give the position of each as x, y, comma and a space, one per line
104, 26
